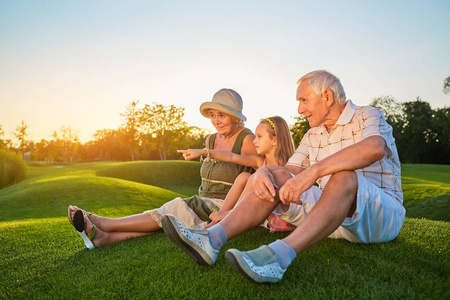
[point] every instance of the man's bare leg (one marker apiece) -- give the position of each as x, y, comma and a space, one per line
268, 263
337, 201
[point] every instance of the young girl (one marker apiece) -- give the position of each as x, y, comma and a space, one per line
274, 146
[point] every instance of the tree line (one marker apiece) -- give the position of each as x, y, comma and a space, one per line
422, 134
155, 132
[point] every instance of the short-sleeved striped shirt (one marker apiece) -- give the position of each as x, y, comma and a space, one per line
355, 124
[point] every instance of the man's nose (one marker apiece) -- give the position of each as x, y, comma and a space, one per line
301, 108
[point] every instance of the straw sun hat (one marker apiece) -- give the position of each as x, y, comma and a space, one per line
227, 101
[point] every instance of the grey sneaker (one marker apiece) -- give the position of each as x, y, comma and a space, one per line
195, 242
259, 265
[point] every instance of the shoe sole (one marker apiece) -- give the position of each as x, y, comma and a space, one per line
235, 263
78, 223
176, 237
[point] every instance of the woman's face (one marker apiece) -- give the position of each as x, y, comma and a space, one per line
224, 123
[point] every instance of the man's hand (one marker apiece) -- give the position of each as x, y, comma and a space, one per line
290, 192
264, 185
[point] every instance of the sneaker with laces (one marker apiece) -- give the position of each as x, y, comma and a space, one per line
194, 242
259, 265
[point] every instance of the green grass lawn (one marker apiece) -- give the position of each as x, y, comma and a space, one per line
43, 257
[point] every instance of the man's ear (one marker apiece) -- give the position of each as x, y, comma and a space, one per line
329, 96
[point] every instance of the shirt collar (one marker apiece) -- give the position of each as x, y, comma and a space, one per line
348, 113
345, 117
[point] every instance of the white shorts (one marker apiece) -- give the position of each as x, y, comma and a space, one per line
377, 218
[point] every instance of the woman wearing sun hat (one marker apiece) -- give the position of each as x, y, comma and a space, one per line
225, 112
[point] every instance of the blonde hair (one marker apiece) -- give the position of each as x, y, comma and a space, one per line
279, 129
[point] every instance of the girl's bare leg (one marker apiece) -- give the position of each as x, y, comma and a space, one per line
218, 216
236, 191
239, 219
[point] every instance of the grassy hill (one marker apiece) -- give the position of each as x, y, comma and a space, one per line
111, 189
43, 257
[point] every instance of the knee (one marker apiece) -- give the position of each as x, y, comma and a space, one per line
242, 178
345, 180
281, 176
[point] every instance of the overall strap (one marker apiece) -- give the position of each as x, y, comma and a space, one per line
240, 140
211, 140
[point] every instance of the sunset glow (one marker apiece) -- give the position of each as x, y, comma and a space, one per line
80, 63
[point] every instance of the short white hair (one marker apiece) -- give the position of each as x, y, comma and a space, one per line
321, 80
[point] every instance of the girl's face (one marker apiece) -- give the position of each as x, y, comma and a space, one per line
222, 122
264, 141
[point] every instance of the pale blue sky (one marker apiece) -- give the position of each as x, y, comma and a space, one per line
79, 63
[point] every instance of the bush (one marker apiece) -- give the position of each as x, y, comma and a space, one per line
12, 168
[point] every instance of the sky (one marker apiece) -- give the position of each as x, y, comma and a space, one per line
79, 64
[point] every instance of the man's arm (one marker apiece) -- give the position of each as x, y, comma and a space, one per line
357, 156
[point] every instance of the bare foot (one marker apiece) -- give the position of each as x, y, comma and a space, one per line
218, 216
89, 227
73, 209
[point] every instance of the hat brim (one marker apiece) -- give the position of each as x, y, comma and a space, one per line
216, 106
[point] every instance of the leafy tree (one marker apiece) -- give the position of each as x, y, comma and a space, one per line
4, 144
418, 131
391, 108
67, 143
41, 151
163, 127
393, 113
109, 145
422, 134
299, 128
130, 128
21, 135
198, 137
446, 88
441, 127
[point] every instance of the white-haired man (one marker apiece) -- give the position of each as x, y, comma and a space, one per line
349, 151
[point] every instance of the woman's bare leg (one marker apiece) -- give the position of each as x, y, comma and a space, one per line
104, 238
140, 223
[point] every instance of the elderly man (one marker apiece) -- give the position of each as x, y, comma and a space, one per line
349, 151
